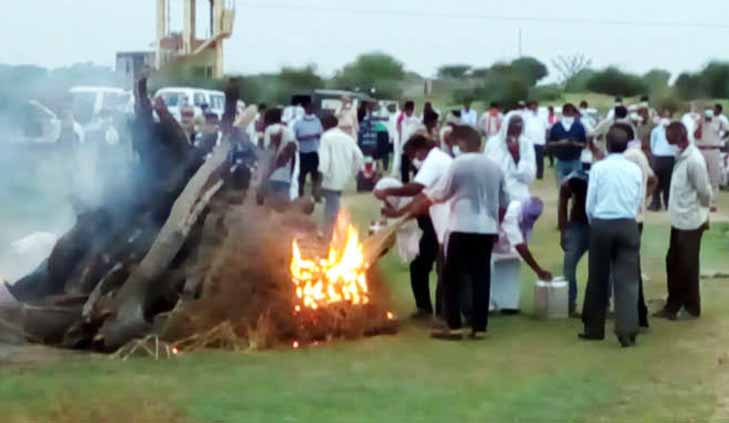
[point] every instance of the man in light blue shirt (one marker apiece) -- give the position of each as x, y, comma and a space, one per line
664, 158
308, 131
614, 195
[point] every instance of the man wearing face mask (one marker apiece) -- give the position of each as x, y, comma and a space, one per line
567, 139
432, 163
664, 158
515, 155
473, 190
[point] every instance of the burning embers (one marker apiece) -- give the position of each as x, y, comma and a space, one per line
338, 279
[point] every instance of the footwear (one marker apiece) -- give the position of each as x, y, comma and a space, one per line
627, 341
686, 316
590, 337
447, 334
573, 313
477, 335
422, 315
665, 314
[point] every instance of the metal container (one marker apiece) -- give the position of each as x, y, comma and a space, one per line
551, 299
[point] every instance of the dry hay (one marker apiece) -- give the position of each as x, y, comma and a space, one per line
248, 292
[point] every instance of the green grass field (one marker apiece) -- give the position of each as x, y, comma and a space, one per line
526, 371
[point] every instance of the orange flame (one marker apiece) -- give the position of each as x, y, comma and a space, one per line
339, 278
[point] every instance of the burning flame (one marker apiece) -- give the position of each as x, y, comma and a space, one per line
339, 278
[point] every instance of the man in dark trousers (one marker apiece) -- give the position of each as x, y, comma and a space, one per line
473, 189
614, 196
689, 210
664, 158
308, 131
432, 164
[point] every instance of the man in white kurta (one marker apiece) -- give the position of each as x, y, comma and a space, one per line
514, 153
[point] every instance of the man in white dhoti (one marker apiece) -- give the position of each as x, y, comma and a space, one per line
515, 155
511, 248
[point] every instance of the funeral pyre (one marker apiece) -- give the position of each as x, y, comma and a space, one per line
185, 254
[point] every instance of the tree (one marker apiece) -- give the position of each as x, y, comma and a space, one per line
657, 80
689, 86
570, 66
506, 89
613, 81
715, 79
578, 82
480, 73
377, 71
300, 79
453, 71
529, 69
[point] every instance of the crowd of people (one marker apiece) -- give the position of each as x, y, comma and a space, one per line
476, 211
468, 184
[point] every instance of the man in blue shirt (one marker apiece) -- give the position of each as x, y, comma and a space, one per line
614, 196
567, 139
308, 132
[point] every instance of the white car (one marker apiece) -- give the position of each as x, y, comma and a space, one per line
175, 97
89, 101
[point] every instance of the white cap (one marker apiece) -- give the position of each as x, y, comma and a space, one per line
709, 113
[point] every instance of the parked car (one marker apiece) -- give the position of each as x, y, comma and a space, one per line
328, 102
89, 101
175, 97
32, 123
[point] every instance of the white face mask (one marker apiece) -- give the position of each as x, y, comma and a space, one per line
567, 122
417, 163
457, 151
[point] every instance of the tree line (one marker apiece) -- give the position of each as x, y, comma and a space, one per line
386, 77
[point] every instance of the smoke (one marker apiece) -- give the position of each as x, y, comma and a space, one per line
44, 185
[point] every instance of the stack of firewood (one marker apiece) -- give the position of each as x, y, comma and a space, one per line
180, 253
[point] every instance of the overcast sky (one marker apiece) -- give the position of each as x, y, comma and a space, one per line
674, 34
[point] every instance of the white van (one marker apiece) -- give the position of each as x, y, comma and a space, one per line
174, 97
89, 101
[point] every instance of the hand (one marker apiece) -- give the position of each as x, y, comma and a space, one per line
545, 276
160, 105
380, 194
389, 211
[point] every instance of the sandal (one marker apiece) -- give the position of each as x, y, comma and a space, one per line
447, 334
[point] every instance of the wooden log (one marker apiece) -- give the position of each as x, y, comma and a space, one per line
129, 319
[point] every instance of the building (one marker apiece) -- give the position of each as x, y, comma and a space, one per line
131, 64
200, 57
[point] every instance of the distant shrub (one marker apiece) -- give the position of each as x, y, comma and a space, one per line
545, 93
613, 81
578, 82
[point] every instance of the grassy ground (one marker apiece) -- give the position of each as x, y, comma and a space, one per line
527, 371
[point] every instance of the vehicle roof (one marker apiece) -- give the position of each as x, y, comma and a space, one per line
184, 89
97, 89
337, 93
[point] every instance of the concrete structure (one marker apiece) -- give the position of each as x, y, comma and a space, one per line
201, 56
131, 64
